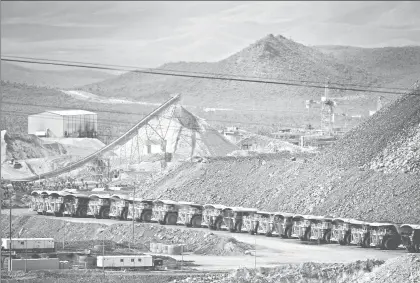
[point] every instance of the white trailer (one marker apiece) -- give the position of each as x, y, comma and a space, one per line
125, 261
28, 244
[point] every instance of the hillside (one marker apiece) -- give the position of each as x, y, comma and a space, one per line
272, 57
21, 146
48, 78
398, 66
338, 182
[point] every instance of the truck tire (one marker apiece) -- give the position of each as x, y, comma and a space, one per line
105, 213
238, 227
218, 225
391, 244
146, 216
171, 219
288, 232
327, 238
307, 235
196, 221
366, 242
124, 215
347, 239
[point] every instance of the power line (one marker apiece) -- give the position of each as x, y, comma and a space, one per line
134, 68
203, 77
113, 122
142, 113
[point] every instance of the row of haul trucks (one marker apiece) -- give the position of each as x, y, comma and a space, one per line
321, 229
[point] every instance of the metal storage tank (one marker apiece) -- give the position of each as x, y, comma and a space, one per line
64, 123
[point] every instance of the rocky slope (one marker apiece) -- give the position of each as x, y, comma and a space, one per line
401, 269
62, 78
398, 66
272, 57
337, 182
21, 146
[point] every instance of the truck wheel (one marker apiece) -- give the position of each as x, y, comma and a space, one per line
105, 213
268, 234
83, 212
366, 242
307, 236
327, 237
218, 225
411, 248
238, 227
347, 239
58, 214
251, 231
196, 221
171, 219
391, 244
288, 232
146, 216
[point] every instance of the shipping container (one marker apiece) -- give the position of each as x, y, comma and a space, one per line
35, 264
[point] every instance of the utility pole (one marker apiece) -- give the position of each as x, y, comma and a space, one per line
134, 195
255, 250
10, 226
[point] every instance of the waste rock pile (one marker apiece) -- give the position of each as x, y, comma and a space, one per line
337, 181
401, 269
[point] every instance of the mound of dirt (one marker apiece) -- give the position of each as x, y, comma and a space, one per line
401, 269
337, 182
238, 181
85, 235
22, 146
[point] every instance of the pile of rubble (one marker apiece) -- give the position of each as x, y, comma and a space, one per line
402, 269
86, 235
401, 156
337, 182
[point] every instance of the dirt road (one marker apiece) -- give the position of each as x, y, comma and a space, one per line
269, 252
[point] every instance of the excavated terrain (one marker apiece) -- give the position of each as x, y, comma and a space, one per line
401, 269
79, 236
337, 182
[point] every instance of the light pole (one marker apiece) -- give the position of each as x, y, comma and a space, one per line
9, 189
134, 195
103, 251
255, 250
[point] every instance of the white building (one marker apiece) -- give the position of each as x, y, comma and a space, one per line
64, 123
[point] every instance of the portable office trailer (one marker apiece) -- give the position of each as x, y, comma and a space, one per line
29, 244
124, 261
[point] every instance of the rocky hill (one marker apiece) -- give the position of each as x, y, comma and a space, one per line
397, 66
51, 78
21, 146
272, 57
338, 182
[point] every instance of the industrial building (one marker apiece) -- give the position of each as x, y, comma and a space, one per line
64, 123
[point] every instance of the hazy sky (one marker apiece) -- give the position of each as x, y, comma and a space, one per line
147, 34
